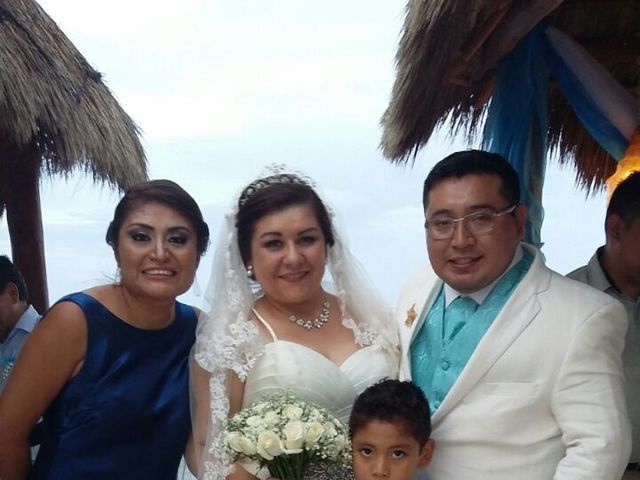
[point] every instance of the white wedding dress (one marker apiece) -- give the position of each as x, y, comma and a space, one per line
228, 341
314, 378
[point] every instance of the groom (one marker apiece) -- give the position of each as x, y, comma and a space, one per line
521, 365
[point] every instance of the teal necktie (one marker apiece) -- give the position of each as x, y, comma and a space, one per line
457, 315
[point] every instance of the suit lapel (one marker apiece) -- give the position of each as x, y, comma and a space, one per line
423, 305
419, 299
517, 314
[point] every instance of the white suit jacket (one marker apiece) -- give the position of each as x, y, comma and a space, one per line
542, 395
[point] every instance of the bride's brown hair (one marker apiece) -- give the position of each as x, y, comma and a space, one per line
274, 194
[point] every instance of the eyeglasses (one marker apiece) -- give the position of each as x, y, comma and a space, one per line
477, 223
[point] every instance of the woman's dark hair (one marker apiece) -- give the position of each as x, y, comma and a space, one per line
273, 194
396, 402
167, 193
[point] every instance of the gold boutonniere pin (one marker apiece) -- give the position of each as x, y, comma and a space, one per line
411, 315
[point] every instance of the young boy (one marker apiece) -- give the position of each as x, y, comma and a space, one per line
390, 426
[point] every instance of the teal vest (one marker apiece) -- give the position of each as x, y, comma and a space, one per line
443, 346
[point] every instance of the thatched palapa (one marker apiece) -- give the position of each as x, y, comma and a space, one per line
447, 60
56, 116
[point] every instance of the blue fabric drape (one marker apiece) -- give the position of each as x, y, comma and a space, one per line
517, 118
516, 125
585, 108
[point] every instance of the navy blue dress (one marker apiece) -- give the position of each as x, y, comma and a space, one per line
125, 415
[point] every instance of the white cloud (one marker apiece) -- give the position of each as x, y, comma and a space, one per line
224, 87
224, 69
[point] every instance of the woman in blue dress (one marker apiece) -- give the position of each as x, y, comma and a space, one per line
107, 368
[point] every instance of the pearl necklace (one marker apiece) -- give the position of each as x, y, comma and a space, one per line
317, 322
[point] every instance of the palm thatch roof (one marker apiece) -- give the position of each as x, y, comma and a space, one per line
51, 98
56, 116
447, 59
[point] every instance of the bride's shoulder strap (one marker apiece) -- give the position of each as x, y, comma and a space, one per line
266, 324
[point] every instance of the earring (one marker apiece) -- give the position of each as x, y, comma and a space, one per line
250, 273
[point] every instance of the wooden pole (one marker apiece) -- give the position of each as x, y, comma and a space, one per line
20, 175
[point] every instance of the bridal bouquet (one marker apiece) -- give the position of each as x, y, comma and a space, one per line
285, 434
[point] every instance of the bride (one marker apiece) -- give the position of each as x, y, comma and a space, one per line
273, 325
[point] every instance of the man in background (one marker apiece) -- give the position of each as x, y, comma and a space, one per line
17, 317
615, 270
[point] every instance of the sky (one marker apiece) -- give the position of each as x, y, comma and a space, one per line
222, 89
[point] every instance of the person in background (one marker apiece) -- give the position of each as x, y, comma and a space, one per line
390, 429
107, 368
615, 269
522, 366
275, 326
17, 317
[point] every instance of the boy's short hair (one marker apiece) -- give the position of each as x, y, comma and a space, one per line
396, 402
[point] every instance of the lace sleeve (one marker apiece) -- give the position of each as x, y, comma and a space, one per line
232, 353
226, 342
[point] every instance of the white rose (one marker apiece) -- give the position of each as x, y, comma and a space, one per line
231, 438
314, 432
314, 413
271, 418
292, 412
269, 445
294, 432
253, 420
241, 444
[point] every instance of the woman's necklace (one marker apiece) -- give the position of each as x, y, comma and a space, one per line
317, 322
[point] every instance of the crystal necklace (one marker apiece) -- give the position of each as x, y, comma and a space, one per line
317, 322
